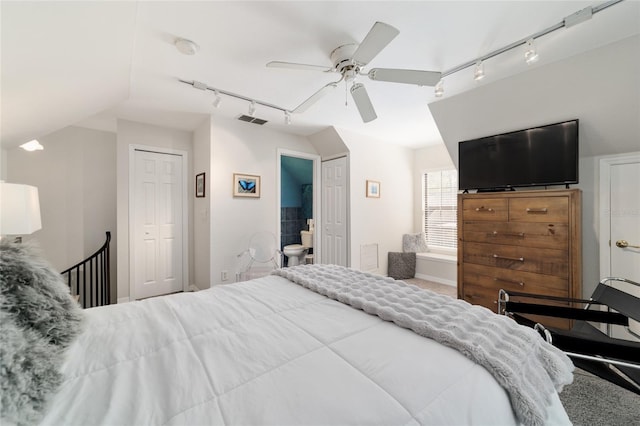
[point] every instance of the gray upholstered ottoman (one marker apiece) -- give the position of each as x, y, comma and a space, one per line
402, 265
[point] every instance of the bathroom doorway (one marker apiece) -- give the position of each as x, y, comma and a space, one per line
298, 203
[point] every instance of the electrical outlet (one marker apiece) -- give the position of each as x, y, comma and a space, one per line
224, 275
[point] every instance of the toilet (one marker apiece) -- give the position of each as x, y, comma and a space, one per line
294, 253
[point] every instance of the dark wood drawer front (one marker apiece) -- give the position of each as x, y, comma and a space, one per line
539, 209
488, 297
519, 281
483, 296
485, 209
542, 235
541, 261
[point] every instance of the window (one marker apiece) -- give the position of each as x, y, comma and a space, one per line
440, 193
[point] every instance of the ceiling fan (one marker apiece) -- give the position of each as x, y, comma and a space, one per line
348, 61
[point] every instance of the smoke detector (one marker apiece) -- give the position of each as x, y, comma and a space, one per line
186, 47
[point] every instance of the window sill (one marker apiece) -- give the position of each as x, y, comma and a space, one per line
438, 257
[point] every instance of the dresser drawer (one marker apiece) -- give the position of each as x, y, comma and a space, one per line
530, 259
495, 209
543, 235
539, 209
477, 295
519, 281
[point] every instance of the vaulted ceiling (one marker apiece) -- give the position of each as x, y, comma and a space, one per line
88, 63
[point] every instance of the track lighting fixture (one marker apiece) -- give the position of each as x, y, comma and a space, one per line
478, 74
287, 117
217, 100
439, 89
531, 54
252, 108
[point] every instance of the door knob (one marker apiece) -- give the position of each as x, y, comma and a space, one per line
625, 244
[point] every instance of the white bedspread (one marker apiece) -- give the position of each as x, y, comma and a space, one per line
267, 351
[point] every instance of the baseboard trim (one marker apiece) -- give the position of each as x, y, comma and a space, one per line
438, 280
123, 300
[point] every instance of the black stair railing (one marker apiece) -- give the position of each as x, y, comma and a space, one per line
90, 279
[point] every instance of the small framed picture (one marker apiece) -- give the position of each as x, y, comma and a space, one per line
246, 185
373, 189
200, 183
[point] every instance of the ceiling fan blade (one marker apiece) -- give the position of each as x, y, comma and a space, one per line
421, 78
295, 66
362, 101
378, 37
314, 98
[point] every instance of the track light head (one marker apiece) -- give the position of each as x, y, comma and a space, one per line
531, 54
439, 89
217, 100
252, 108
478, 74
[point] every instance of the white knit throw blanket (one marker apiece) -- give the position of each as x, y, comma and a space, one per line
526, 366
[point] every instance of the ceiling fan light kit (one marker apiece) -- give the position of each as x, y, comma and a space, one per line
348, 61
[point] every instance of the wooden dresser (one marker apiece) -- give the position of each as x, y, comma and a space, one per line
524, 241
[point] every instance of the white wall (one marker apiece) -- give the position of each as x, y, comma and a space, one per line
3, 164
589, 184
76, 181
239, 147
132, 133
201, 252
329, 143
381, 220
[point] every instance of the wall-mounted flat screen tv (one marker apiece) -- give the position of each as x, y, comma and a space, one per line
540, 156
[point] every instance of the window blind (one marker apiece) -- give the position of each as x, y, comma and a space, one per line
440, 192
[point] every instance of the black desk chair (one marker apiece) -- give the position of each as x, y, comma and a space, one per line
615, 359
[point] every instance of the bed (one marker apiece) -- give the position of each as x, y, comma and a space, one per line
276, 351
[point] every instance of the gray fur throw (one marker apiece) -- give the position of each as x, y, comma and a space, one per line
38, 321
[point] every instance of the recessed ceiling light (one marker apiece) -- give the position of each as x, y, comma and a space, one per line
33, 145
186, 47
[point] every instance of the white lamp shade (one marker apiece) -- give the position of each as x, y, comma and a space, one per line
19, 209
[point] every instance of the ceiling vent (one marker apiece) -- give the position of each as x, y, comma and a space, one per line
250, 119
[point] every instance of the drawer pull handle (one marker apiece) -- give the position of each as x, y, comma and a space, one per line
542, 210
517, 259
484, 209
509, 234
520, 283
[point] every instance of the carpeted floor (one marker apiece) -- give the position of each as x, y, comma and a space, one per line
589, 400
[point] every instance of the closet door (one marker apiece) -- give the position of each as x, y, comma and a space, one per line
157, 224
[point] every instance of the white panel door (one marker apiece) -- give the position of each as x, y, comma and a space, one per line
625, 229
334, 211
157, 224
